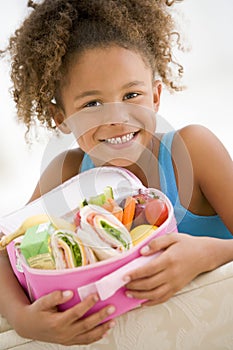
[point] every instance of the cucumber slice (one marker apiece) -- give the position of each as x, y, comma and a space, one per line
108, 192
100, 199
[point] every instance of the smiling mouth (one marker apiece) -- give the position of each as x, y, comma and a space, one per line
120, 139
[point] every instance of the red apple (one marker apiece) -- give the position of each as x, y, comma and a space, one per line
156, 211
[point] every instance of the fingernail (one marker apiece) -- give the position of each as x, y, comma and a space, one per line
129, 295
67, 293
95, 297
126, 279
112, 324
145, 249
111, 310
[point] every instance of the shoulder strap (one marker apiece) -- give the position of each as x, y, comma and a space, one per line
87, 163
166, 171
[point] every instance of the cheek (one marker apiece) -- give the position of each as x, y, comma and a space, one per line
87, 141
147, 118
83, 124
151, 126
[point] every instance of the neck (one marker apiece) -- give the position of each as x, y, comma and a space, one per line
146, 168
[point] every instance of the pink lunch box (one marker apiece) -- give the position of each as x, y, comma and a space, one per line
104, 277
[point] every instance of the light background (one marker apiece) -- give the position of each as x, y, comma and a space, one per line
207, 29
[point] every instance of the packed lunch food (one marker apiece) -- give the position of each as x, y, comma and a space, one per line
101, 228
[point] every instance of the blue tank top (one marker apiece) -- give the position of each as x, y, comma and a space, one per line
187, 222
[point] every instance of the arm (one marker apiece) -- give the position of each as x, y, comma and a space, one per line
63, 167
11, 294
184, 256
213, 174
41, 320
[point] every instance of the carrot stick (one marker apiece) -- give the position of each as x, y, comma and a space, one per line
128, 212
112, 206
118, 213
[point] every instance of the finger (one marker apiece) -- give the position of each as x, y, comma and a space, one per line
80, 309
52, 300
153, 296
148, 283
165, 296
153, 267
159, 243
94, 335
90, 322
159, 262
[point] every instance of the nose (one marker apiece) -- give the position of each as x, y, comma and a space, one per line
115, 113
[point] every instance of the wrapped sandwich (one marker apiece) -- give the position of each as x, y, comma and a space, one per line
102, 232
69, 251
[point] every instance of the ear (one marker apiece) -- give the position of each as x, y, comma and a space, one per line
157, 89
59, 118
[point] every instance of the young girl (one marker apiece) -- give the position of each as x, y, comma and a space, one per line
96, 69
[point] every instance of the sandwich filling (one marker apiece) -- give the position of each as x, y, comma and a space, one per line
68, 252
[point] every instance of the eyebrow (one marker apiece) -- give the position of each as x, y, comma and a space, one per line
133, 83
98, 92
87, 93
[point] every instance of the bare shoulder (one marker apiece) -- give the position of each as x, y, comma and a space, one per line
199, 154
206, 153
199, 140
61, 168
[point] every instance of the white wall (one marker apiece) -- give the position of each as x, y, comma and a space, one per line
208, 28
208, 31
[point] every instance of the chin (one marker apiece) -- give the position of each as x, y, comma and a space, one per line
121, 162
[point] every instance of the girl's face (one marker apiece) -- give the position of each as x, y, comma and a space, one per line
110, 101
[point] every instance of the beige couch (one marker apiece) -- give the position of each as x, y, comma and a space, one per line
200, 317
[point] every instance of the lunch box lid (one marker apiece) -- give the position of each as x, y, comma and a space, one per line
67, 197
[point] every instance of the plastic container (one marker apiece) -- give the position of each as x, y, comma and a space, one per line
104, 277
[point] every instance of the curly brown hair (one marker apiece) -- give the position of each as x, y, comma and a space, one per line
42, 49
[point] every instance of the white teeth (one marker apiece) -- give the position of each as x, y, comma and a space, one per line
119, 140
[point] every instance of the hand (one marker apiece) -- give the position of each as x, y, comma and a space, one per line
183, 257
42, 321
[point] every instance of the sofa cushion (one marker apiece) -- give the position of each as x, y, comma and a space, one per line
200, 316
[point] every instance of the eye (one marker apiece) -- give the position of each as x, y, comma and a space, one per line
92, 104
131, 95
